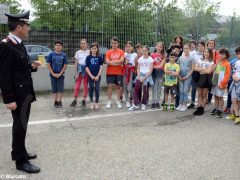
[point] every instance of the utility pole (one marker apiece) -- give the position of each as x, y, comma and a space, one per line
231, 30
157, 24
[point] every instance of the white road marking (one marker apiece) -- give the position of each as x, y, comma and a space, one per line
48, 121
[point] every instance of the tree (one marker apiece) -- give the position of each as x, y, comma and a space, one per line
61, 15
14, 8
111, 17
170, 21
13, 5
201, 15
229, 36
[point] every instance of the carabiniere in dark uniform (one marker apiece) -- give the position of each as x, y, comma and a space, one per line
17, 86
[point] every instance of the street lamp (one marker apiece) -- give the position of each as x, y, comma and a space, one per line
157, 24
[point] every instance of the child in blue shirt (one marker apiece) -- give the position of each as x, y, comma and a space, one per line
57, 64
94, 64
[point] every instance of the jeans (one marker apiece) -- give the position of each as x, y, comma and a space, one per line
156, 90
194, 89
128, 88
183, 90
94, 85
57, 84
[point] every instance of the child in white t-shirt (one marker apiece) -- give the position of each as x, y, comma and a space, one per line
144, 80
128, 72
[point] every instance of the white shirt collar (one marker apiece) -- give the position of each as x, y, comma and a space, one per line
16, 38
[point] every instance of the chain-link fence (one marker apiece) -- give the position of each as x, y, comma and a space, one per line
141, 21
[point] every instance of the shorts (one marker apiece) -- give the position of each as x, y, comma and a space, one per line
115, 79
172, 89
216, 91
57, 84
234, 94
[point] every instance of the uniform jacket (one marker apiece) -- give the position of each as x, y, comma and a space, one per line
15, 72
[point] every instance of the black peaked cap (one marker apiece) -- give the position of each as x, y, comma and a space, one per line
24, 17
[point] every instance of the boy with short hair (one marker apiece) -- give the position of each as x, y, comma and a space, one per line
57, 64
220, 80
171, 71
114, 60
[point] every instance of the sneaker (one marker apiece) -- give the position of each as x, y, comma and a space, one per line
109, 105
231, 117
91, 106
165, 107
158, 105
55, 104
184, 108
74, 103
237, 120
191, 106
143, 107
133, 107
219, 114
179, 107
227, 111
172, 107
60, 104
213, 112
83, 103
153, 106
128, 104
119, 105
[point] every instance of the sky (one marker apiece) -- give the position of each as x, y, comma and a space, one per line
227, 7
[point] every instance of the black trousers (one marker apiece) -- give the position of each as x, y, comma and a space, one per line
19, 129
94, 86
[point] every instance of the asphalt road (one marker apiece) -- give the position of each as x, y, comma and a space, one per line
76, 143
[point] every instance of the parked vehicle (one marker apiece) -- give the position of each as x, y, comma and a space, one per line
35, 50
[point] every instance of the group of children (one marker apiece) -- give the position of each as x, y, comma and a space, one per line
179, 68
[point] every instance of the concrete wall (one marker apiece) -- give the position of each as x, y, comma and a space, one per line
41, 79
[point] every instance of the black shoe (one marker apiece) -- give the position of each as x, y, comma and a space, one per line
158, 105
153, 106
83, 103
219, 114
56, 104
213, 112
197, 112
201, 112
74, 103
29, 156
191, 106
60, 104
28, 167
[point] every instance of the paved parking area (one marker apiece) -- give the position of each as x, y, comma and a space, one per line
76, 143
